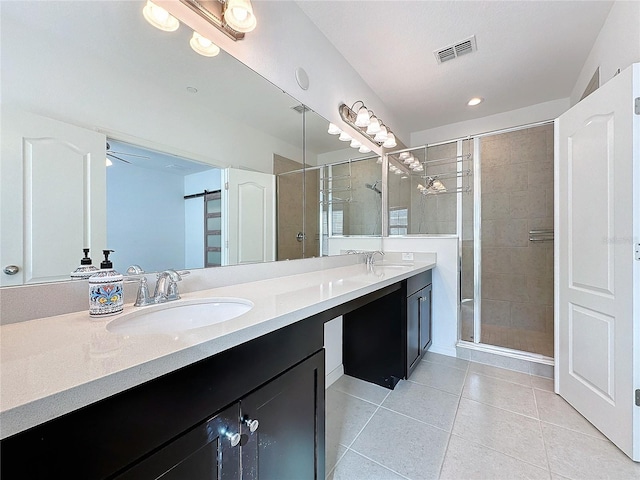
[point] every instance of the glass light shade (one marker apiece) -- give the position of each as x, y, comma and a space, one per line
364, 149
398, 172
344, 137
203, 45
414, 163
381, 136
404, 155
390, 142
419, 168
379, 160
355, 144
159, 17
374, 126
362, 119
421, 187
239, 15
392, 168
333, 129
409, 159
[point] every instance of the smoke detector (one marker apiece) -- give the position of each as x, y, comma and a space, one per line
451, 52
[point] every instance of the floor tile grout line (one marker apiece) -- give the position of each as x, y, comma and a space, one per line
544, 442
360, 398
499, 451
504, 379
455, 416
436, 388
378, 463
415, 419
499, 408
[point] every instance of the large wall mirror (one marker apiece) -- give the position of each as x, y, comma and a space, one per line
171, 122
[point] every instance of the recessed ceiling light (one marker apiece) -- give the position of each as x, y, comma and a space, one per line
475, 101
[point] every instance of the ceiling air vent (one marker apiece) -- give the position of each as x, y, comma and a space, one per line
300, 108
454, 51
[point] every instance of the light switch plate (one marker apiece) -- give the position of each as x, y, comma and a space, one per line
407, 257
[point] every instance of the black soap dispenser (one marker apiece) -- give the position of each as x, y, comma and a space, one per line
106, 290
86, 269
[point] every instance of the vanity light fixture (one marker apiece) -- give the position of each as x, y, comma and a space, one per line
475, 101
344, 137
159, 17
234, 18
355, 144
366, 122
364, 149
203, 45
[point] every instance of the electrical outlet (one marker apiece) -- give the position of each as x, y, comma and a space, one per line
407, 257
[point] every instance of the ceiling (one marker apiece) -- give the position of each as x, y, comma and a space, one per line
528, 52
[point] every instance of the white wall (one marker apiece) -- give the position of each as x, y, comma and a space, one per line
284, 39
522, 116
445, 285
144, 233
617, 46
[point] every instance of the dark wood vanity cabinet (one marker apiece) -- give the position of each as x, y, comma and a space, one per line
182, 425
271, 433
385, 339
418, 318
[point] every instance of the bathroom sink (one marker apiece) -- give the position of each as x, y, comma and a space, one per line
180, 315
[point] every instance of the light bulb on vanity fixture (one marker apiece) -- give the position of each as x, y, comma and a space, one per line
203, 45
238, 14
333, 130
344, 137
159, 17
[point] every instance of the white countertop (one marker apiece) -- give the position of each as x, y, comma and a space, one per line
52, 366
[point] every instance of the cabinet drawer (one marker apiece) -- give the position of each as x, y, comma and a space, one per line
418, 282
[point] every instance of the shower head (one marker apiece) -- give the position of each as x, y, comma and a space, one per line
374, 187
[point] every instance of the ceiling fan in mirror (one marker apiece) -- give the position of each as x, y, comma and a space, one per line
118, 156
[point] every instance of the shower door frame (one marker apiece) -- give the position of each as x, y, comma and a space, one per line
477, 344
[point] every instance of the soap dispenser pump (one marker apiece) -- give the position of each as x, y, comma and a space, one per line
86, 269
106, 292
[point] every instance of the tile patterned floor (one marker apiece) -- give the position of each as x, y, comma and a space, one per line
461, 420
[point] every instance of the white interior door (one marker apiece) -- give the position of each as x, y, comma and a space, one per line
597, 362
249, 210
44, 229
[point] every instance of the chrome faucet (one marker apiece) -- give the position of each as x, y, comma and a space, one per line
371, 257
166, 288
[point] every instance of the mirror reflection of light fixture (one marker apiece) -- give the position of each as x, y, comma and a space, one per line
382, 135
238, 14
203, 45
344, 137
355, 144
333, 130
159, 17
364, 149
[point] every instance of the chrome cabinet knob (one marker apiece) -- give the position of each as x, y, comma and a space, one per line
252, 424
11, 269
234, 438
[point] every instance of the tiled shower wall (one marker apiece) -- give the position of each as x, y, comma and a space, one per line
517, 197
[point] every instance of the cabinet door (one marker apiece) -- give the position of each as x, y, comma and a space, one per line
425, 319
206, 452
413, 330
288, 440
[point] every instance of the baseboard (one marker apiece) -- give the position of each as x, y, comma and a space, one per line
333, 375
442, 350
